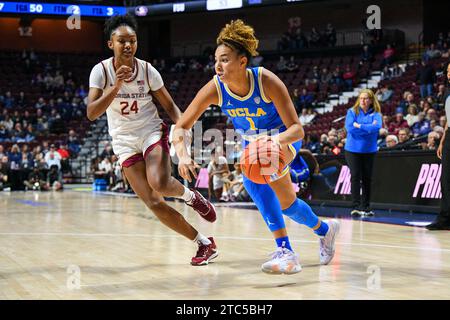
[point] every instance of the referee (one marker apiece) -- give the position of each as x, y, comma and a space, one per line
442, 221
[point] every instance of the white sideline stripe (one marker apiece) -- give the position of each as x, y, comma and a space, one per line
133, 235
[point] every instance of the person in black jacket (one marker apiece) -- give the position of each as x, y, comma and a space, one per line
426, 76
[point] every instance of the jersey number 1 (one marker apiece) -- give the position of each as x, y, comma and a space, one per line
252, 123
124, 105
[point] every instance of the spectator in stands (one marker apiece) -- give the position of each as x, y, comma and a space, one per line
388, 55
432, 115
386, 73
349, 78
107, 151
30, 136
412, 116
312, 143
26, 162
366, 55
398, 123
235, 183
385, 93
431, 53
81, 91
315, 38
362, 123
209, 66
217, 169
8, 100
40, 104
307, 116
442, 121
426, 78
382, 134
65, 156
194, 65
305, 101
432, 141
291, 65
336, 77
391, 141
4, 134
281, 64
180, 66
174, 86
283, 43
330, 34
440, 96
21, 100
403, 135
325, 76
2, 151
422, 126
73, 143
14, 157
8, 122
408, 98
53, 157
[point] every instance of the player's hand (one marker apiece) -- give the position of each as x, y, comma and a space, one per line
122, 73
439, 151
274, 139
186, 167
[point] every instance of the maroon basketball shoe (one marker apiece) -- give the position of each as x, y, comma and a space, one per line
202, 206
205, 253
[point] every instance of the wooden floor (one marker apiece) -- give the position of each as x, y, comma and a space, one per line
80, 245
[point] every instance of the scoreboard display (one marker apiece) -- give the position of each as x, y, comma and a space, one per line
60, 9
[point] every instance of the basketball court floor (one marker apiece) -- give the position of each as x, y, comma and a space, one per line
85, 245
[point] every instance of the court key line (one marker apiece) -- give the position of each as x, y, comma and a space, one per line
137, 235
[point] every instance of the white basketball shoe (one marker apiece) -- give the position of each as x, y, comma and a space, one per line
283, 261
327, 242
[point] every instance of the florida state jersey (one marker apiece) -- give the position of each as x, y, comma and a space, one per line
132, 109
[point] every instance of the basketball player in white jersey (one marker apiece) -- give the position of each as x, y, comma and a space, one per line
124, 86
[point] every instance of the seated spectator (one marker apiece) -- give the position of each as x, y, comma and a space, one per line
180, 66
291, 65
53, 158
439, 130
349, 78
235, 186
73, 143
217, 169
442, 121
397, 124
8, 100
65, 156
385, 93
431, 53
366, 55
336, 77
305, 101
14, 157
408, 98
388, 55
382, 134
312, 143
307, 116
432, 115
4, 134
30, 136
386, 73
432, 141
386, 121
281, 64
441, 95
2, 151
391, 141
412, 116
174, 85
54, 180
283, 43
255, 62
325, 76
403, 135
210, 65
421, 127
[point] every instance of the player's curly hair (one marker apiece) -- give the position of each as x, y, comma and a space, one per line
120, 20
239, 36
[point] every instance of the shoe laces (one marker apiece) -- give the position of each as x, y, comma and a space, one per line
198, 200
202, 250
280, 252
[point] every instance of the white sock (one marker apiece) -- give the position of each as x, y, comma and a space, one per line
201, 238
188, 195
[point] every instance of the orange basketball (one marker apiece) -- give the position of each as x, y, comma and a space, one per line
261, 159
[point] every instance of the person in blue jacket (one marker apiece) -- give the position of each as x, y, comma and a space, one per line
363, 122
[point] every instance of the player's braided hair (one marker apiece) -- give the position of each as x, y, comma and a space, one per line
119, 20
239, 36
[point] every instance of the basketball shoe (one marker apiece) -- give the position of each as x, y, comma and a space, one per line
202, 206
205, 253
283, 261
327, 242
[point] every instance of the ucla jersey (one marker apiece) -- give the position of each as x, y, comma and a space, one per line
252, 114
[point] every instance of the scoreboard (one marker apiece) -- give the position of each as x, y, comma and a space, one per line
60, 9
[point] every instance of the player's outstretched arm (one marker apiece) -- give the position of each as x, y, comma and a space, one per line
276, 91
181, 137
